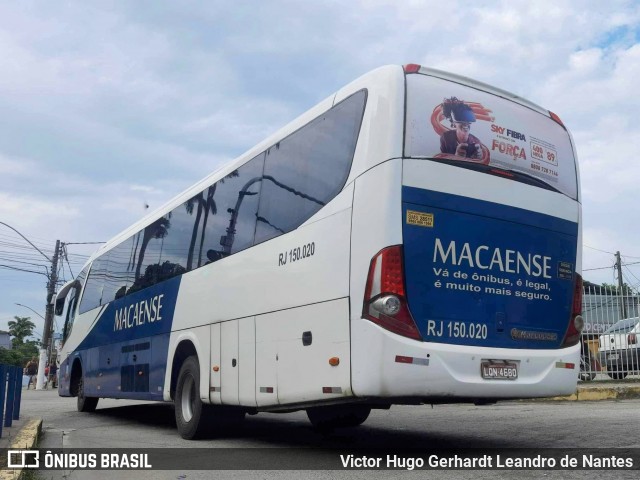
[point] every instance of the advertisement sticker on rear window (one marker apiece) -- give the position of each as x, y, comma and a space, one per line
453, 122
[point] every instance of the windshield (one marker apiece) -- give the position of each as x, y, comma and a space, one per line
623, 326
464, 126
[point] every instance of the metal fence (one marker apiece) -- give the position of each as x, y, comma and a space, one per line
10, 394
611, 337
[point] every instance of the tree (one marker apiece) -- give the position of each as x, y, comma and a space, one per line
20, 328
208, 207
157, 230
20, 354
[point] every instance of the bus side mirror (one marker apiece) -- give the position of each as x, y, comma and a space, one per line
59, 306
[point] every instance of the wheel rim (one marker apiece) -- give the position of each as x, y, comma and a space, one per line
188, 398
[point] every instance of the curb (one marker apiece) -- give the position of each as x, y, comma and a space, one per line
602, 393
25, 439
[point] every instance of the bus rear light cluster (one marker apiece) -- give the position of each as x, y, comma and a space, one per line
388, 305
576, 322
385, 303
632, 338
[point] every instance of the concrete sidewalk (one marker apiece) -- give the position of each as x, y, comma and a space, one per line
23, 434
605, 390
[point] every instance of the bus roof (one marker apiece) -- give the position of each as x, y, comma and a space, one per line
452, 77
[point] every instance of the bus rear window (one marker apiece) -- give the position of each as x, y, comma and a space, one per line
464, 126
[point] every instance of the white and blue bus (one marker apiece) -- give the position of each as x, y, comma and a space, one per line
414, 238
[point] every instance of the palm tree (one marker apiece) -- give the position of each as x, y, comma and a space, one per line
157, 230
207, 207
189, 204
20, 328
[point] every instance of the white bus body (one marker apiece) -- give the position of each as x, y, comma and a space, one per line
364, 255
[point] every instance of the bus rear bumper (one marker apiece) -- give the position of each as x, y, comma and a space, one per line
394, 366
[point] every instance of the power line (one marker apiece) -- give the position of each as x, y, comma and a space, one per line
599, 268
84, 243
631, 273
597, 249
25, 238
22, 270
66, 258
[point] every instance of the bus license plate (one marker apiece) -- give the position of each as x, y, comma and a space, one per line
493, 370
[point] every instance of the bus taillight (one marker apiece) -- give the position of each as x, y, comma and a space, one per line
384, 297
576, 322
412, 68
556, 118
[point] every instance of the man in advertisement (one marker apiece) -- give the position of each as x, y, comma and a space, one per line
458, 141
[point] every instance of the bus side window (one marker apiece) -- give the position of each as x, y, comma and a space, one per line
119, 275
72, 301
307, 169
72, 305
92, 296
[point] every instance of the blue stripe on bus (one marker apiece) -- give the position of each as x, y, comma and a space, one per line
124, 355
447, 201
456, 299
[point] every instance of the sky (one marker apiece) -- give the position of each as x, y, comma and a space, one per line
109, 107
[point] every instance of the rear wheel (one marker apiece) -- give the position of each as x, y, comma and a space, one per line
338, 416
586, 373
618, 375
85, 404
195, 419
188, 405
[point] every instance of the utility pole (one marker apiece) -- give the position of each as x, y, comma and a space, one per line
623, 303
48, 318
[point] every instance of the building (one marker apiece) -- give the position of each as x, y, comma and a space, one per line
5, 341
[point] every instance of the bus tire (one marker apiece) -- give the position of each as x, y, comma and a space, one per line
619, 375
85, 404
338, 416
189, 409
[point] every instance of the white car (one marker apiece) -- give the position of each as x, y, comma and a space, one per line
619, 348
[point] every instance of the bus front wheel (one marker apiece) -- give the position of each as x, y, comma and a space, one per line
338, 416
85, 404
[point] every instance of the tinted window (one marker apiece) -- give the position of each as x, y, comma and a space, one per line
72, 303
623, 326
175, 245
92, 296
308, 168
147, 254
229, 213
119, 272
251, 204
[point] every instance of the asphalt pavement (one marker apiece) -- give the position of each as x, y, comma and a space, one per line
24, 433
